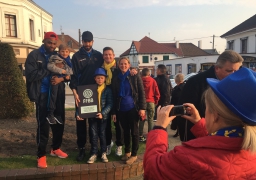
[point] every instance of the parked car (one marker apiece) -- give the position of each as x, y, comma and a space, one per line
186, 77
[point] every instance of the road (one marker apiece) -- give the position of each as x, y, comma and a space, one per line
69, 103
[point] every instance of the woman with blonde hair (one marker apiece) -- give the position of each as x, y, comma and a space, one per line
129, 106
226, 138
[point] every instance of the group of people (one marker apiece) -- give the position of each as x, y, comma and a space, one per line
220, 105
124, 95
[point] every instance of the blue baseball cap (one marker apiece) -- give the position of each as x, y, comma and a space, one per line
100, 71
238, 92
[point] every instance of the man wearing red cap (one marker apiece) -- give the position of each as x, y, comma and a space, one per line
38, 80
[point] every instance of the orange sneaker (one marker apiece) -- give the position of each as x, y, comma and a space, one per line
41, 162
58, 153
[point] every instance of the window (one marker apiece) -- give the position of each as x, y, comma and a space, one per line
165, 57
244, 45
178, 68
231, 45
169, 69
10, 25
31, 28
144, 59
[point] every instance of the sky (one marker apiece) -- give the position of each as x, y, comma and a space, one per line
116, 23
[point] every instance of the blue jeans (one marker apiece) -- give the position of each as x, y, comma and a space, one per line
97, 129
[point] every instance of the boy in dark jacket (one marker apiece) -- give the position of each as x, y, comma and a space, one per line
152, 95
97, 126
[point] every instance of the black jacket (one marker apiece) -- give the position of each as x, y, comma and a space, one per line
84, 67
138, 92
165, 89
192, 93
35, 71
176, 93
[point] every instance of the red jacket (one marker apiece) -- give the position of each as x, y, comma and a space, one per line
208, 157
151, 89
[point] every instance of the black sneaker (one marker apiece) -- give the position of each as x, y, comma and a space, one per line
58, 119
81, 154
142, 139
51, 119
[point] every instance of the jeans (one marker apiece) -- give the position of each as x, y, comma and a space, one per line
150, 115
97, 129
129, 121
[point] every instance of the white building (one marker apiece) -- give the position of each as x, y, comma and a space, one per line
23, 26
188, 65
146, 52
242, 39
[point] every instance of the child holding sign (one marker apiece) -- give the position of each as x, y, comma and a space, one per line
97, 125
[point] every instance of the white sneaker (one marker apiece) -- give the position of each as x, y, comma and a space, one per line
119, 151
104, 158
92, 159
109, 147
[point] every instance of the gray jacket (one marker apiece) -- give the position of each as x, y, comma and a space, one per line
56, 70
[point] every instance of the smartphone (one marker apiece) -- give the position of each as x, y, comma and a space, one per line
178, 110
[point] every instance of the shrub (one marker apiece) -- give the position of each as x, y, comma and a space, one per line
13, 95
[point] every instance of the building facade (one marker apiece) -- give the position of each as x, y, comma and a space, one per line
146, 52
187, 65
23, 26
242, 39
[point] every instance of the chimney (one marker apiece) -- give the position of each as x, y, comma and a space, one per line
200, 44
177, 45
62, 38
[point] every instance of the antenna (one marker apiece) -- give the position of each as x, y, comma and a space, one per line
61, 29
149, 34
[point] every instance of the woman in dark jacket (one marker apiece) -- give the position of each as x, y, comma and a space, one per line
129, 106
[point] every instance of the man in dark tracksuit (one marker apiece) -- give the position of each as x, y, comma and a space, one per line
84, 64
38, 83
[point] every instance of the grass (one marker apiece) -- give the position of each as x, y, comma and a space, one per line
28, 161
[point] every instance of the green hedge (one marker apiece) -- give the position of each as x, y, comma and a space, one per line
14, 102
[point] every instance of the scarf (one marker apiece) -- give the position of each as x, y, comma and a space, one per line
234, 131
67, 59
108, 67
100, 90
44, 53
122, 77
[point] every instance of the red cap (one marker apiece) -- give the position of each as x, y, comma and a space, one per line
49, 35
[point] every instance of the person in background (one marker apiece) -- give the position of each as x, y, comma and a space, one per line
225, 146
84, 64
129, 106
164, 86
97, 126
152, 97
227, 63
176, 93
38, 84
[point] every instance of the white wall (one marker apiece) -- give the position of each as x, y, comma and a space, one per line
251, 41
24, 10
198, 60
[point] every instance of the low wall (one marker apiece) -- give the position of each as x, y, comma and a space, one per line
116, 170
